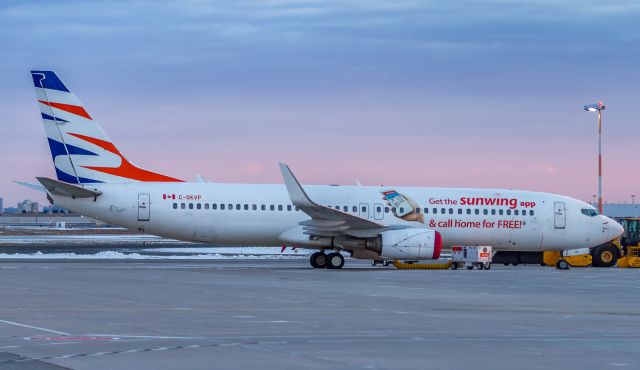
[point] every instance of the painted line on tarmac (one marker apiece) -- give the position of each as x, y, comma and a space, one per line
33, 327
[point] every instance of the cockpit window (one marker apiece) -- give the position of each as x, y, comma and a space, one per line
589, 212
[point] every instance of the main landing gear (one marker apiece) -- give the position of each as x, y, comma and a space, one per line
333, 261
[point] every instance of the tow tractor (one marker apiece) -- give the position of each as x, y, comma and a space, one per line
471, 256
629, 242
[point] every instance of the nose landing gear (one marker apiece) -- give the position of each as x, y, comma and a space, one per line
333, 261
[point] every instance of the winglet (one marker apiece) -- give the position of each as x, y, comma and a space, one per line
297, 194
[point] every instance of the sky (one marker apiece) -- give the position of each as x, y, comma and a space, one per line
415, 93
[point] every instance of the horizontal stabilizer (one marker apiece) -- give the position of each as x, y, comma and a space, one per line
32, 186
56, 187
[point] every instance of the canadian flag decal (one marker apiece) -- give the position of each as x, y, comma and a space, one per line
168, 196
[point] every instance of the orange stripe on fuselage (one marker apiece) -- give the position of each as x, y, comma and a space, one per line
126, 169
77, 110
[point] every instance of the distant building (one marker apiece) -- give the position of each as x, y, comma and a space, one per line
1, 206
54, 209
618, 210
28, 206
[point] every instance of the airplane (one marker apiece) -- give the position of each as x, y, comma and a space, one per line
95, 179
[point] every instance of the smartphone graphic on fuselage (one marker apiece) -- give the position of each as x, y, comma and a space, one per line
400, 203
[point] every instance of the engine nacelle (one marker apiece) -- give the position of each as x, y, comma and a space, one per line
409, 244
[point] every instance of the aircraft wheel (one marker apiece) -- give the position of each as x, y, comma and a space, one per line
605, 256
469, 267
479, 266
335, 261
318, 260
487, 266
454, 266
562, 265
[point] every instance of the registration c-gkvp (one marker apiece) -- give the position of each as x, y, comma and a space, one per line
409, 223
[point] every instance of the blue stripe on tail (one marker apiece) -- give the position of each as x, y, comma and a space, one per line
57, 148
48, 80
51, 118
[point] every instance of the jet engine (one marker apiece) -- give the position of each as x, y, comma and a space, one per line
413, 243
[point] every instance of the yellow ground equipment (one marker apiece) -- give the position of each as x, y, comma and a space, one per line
629, 243
551, 258
421, 266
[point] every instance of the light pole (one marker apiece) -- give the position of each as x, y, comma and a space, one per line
599, 107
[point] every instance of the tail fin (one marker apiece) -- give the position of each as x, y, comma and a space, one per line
82, 152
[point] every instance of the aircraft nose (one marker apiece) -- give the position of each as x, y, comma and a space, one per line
615, 229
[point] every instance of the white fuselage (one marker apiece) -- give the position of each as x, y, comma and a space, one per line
244, 214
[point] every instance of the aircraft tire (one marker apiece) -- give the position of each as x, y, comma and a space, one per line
605, 256
335, 261
318, 260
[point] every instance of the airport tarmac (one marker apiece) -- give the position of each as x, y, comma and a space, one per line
124, 314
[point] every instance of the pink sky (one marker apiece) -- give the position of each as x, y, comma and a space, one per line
450, 93
374, 138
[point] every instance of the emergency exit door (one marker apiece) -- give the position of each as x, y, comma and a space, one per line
560, 215
143, 207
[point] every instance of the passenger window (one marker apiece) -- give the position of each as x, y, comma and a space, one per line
272, 207
426, 210
246, 207
515, 212
222, 206
297, 208
190, 205
182, 205
468, 211
386, 209
459, 211
263, 207
530, 212
393, 209
288, 207
337, 208
435, 211
493, 211
214, 206
230, 207
508, 212
378, 209
238, 206
199, 206
501, 212
206, 206
279, 207
443, 211
417, 210
254, 207
175, 205
477, 211
401, 209
450, 211
364, 209
355, 209
484, 211
345, 209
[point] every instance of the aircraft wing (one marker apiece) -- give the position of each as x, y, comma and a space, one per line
324, 221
